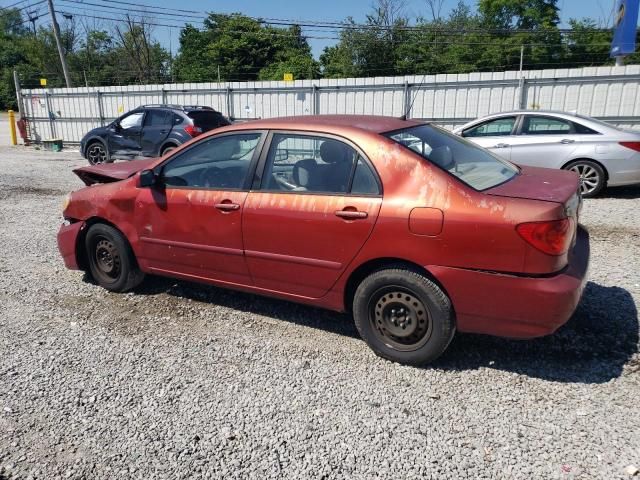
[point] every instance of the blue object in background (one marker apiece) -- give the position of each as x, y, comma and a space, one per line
625, 26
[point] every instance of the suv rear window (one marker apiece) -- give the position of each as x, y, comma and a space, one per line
207, 120
475, 166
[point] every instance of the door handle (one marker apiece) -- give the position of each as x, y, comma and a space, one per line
567, 140
501, 145
227, 206
351, 214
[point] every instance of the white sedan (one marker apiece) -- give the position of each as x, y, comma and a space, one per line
602, 154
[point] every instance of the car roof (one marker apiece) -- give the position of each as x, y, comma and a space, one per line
182, 108
333, 123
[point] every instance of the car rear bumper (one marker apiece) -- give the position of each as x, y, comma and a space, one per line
516, 306
67, 241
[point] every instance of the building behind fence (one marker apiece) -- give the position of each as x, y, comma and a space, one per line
607, 93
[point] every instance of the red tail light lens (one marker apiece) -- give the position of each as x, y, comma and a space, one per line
193, 130
632, 145
552, 237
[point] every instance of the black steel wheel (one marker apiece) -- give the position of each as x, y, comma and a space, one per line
97, 153
403, 315
592, 177
111, 261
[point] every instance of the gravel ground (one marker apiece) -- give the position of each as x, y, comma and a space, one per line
181, 380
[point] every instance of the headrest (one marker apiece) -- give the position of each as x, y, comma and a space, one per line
442, 156
332, 151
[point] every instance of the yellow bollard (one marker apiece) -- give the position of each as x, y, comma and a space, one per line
12, 128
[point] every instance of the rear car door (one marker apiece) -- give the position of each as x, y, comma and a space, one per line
314, 204
544, 141
190, 224
124, 138
494, 134
156, 128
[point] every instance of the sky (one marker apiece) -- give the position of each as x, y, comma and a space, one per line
317, 10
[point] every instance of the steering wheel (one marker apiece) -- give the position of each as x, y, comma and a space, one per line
221, 176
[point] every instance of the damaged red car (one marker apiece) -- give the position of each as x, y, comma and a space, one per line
417, 232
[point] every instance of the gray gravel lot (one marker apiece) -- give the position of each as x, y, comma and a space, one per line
179, 380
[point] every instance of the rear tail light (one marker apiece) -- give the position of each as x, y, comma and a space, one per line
551, 237
632, 145
193, 130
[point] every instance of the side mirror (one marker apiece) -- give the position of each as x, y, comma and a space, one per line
147, 178
116, 126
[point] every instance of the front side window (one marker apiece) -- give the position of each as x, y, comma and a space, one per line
537, 125
492, 128
218, 163
475, 166
307, 163
133, 120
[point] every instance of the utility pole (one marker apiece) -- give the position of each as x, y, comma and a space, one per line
56, 33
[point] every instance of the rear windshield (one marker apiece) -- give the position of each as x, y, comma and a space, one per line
207, 119
475, 166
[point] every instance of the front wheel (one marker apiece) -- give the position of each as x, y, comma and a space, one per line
592, 177
97, 153
111, 261
403, 316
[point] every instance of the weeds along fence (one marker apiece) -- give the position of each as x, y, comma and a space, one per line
608, 93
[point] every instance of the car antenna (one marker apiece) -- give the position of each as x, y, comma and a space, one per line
415, 95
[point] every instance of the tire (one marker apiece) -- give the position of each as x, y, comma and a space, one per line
97, 153
592, 177
110, 258
167, 149
403, 316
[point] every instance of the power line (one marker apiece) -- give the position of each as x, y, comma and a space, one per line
79, 2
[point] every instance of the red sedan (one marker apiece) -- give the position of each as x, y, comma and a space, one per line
416, 231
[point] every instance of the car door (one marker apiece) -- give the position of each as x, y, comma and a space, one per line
124, 138
190, 225
494, 134
544, 141
312, 208
156, 128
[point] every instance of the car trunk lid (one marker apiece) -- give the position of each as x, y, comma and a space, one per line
536, 183
111, 172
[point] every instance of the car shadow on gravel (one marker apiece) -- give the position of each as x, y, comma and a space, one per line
630, 192
593, 347
326, 320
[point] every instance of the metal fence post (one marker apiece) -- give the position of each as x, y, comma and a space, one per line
229, 103
315, 98
522, 93
405, 99
164, 96
16, 81
50, 115
100, 112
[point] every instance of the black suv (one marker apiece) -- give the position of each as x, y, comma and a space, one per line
149, 131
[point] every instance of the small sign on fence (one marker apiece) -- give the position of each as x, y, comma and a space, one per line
288, 77
43, 82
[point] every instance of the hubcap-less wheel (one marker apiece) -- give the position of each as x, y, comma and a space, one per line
589, 177
400, 319
96, 154
107, 259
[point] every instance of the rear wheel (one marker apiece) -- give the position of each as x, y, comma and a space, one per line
167, 149
403, 316
111, 261
592, 176
97, 153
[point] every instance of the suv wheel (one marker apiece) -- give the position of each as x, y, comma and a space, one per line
97, 153
403, 316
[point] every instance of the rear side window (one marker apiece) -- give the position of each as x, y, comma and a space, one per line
538, 125
157, 118
207, 119
582, 130
475, 166
497, 127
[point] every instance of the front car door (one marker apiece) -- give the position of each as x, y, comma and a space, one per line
124, 138
313, 206
157, 125
494, 134
544, 141
190, 224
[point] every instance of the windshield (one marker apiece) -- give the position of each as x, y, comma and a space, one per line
600, 122
475, 166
